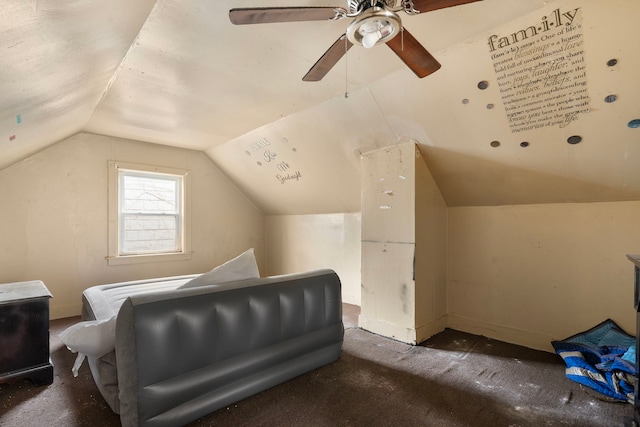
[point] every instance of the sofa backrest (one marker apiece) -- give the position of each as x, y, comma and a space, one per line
172, 347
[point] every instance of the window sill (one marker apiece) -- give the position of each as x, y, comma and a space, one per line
139, 259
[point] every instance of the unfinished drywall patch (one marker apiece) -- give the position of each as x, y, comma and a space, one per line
541, 71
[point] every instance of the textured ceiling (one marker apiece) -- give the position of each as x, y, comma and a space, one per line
179, 73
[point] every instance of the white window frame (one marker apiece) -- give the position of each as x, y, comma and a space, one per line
114, 257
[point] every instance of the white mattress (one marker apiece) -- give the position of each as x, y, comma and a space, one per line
105, 300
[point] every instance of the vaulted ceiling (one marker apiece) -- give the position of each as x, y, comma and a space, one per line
177, 72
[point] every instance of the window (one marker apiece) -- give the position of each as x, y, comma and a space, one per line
148, 215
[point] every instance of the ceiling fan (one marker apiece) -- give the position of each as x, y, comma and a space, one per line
374, 22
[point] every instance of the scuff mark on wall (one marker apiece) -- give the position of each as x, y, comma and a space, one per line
404, 295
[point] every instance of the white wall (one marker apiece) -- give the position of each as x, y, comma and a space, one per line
525, 274
532, 273
53, 221
298, 243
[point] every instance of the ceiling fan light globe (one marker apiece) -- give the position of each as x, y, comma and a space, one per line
376, 24
370, 39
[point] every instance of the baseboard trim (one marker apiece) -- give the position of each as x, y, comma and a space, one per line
68, 310
534, 340
529, 339
386, 329
428, 330
399, 333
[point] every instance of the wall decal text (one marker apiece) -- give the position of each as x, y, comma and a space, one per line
268, 153
541, 72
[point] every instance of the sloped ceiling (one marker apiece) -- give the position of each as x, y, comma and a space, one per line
179, 73
56, 61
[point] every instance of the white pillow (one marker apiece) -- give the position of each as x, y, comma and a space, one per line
242, 267
93, 338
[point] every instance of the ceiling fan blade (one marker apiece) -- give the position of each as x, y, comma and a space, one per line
428, 5
417, 58
328, 60
264, 15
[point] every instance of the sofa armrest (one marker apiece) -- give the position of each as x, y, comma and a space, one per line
127, 360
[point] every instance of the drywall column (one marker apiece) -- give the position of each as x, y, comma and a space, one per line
431, 225
392, 294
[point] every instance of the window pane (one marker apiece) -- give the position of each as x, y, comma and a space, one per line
150, 195
150, 233
150, 217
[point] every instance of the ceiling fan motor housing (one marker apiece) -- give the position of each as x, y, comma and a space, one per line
358, 6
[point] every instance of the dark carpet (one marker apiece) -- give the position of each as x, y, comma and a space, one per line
453, 379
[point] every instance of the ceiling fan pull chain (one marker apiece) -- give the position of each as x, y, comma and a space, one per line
346, 68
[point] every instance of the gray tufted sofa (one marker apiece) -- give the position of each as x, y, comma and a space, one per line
181, 354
